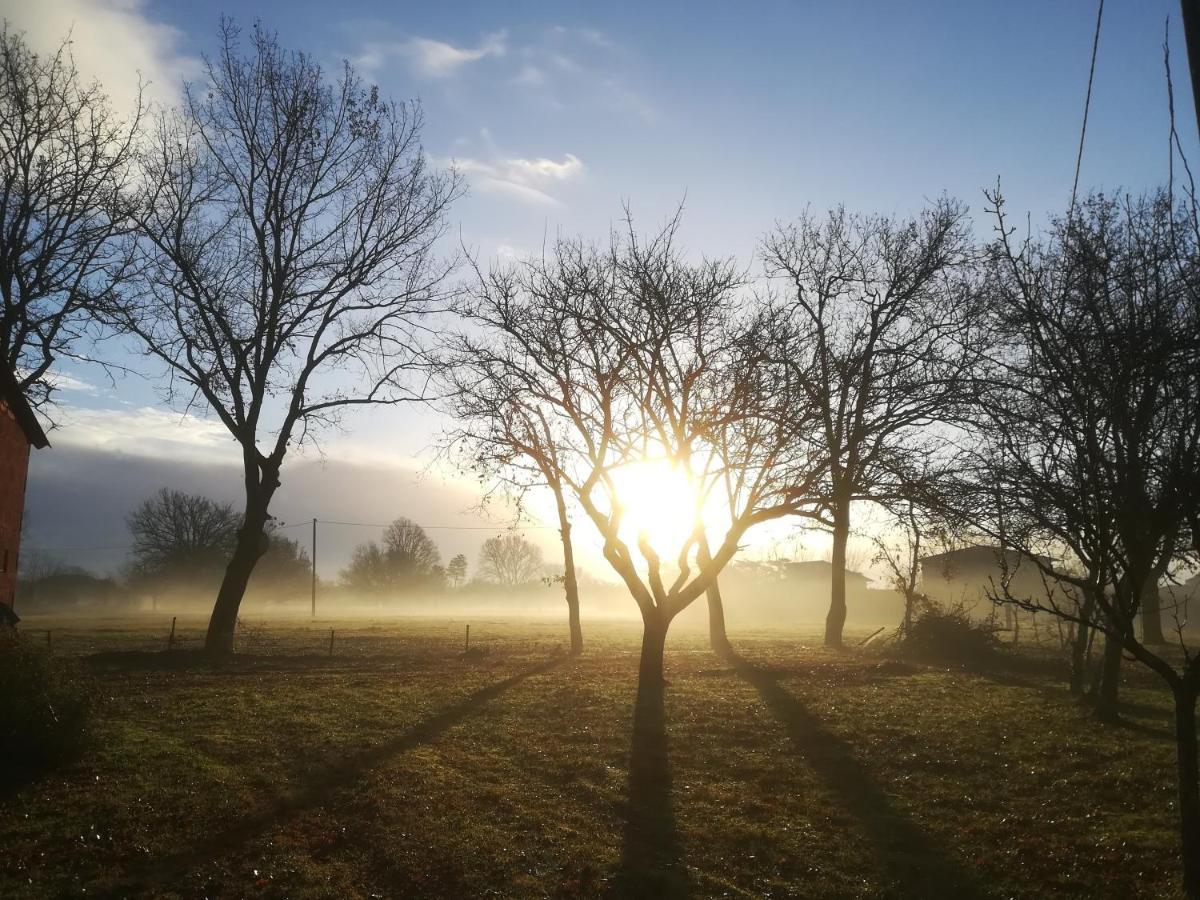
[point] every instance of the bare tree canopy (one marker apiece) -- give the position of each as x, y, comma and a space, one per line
1089, 460
176, 532
883, 331
456, 570
64, 161
286, 232
609, 358
182, 542
408, 559
509, 560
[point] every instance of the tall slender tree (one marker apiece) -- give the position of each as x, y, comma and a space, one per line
497, 432
286, 230
885, 330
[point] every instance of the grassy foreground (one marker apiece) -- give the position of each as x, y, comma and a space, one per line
400, 767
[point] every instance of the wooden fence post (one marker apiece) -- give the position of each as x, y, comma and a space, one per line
331, 642
171, 639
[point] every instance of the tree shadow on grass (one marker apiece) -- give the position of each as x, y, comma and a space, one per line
1130, 713
909, 859
651, 855
316, 790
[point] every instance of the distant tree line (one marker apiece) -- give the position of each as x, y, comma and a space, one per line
407, 561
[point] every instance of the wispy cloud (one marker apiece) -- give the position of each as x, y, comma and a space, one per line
147, 431
430, 58
525, 179
566, 67
116, 42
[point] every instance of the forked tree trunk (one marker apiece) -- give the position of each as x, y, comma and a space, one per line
654, 639
1189, 787
1152, 630
717, 637
250, 546
835, 621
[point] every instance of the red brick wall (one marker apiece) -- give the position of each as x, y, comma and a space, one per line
14, 464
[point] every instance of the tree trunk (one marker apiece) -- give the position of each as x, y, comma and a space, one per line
836, 619
570, 581
654, 639
910, 600
717, 638
1080, 642
1189, 788
251, 545
1152, 631
1107, 690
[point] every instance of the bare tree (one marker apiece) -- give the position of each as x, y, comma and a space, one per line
1091, 458
368, 571
628, 354
900, 553
407, 560
509, 560
286, 254
498, 432
409, 548
456, 570
64, 161
177, 534
885, 332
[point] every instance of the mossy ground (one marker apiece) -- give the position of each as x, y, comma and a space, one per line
400, 767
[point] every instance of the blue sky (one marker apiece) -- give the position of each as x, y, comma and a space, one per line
752, 110
557, 113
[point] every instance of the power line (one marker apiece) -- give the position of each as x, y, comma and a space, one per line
75, 549
434, 527
306, 524
1087, 103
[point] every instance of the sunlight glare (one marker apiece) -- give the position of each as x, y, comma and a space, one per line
657, 498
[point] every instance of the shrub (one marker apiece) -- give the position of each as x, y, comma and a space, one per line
45, 705
950, 635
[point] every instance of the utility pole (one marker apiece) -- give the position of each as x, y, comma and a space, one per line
314, 569
1191, 31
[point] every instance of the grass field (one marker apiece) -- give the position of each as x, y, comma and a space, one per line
400, 767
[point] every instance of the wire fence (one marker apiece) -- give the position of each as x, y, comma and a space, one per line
411, 639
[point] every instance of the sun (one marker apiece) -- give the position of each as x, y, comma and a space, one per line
659, 499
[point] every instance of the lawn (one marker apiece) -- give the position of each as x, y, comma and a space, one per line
402, 767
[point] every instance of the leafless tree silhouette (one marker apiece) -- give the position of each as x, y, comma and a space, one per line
624, 353
64, 161
885, 331
510, 560
286, 232
1092, 445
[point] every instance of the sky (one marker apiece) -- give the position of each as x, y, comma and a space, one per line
558, 114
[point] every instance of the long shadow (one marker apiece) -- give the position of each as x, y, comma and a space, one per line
914, 864
316, 790
1129, 712
651, 855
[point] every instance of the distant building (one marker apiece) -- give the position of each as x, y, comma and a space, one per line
971, 575
818, 574
19, 430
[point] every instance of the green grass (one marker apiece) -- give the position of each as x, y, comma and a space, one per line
400, 768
